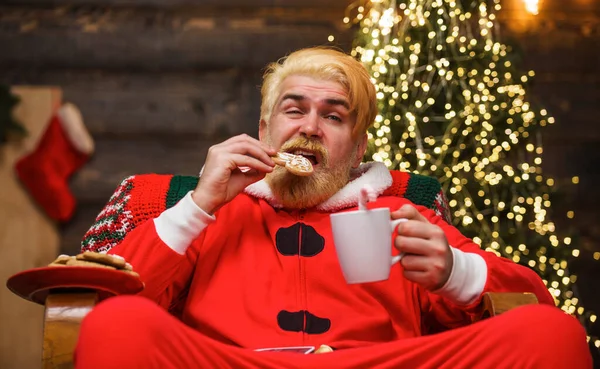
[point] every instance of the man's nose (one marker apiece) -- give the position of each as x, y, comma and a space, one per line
310, 127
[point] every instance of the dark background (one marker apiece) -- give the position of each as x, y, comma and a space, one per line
158, 82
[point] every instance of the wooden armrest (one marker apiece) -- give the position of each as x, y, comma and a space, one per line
496, 303
63, 315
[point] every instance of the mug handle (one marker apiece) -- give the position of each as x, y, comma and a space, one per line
394, 223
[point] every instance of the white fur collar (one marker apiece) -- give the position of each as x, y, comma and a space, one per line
374, 174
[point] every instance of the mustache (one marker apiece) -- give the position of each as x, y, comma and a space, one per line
307, 144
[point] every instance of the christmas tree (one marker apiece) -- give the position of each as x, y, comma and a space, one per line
453, 105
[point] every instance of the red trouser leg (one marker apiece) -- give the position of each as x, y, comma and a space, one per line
132, 332
533, 336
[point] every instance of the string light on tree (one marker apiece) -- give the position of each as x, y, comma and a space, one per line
532, 6
453, 105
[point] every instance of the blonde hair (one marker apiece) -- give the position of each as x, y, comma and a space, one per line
326, 64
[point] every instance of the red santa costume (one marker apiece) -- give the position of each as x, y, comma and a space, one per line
255, 275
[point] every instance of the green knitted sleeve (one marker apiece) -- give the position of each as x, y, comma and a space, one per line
179, 187
422, 190
428, 192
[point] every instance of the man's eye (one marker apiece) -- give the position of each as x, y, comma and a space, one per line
294, 112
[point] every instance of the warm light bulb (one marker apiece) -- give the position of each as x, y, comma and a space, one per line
532, 6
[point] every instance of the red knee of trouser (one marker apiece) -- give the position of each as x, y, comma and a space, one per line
534, 320
122, 326
547, 333
123, 313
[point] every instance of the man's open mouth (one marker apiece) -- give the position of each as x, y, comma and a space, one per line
313, 157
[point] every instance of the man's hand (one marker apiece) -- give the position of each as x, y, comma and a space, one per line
222, 179
428, 259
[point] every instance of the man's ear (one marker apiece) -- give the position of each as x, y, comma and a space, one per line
262, 129
361, 148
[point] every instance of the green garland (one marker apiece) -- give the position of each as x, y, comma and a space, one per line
8, 124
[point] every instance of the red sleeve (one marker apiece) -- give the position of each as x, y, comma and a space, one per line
503, 275
165, 273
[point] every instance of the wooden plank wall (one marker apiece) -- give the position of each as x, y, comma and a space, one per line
28, 238
158, 82
157, 85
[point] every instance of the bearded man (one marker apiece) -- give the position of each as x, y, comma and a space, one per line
251, 250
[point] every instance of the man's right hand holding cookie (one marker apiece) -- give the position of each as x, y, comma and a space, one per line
222, 178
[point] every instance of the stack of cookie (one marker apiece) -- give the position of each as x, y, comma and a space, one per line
96, 260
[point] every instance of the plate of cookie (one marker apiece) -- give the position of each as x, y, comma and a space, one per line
109, 275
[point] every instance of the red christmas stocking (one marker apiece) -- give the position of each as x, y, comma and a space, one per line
64, 147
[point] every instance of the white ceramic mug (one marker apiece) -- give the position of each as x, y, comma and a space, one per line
363, 243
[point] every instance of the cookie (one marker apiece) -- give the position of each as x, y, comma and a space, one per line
53, 264
279, 159
95, 260
323, 349
85, 263
295, 164
111, 260
62, 259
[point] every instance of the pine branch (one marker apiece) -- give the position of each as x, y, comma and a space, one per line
8, 125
